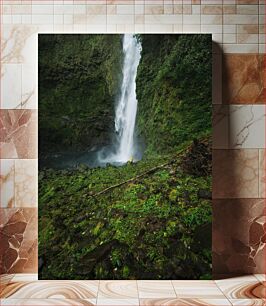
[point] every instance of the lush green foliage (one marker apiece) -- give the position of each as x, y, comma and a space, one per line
151, 228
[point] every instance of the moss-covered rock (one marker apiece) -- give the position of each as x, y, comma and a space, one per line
173, 90
79, 78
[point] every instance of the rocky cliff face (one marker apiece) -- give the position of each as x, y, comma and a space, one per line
79, 78
174, 90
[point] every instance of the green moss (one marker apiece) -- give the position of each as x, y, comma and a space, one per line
134, 231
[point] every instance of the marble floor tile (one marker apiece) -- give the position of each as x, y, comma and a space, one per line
117, 302
197, 289
261, 277
48, 302
5, 279
248, 302
52, 289
155, 289
242, 288
184, 302
116, 289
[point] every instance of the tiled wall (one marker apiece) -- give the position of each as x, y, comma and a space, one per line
238, 28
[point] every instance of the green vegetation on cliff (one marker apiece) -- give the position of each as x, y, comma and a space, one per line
174, 90
79, 78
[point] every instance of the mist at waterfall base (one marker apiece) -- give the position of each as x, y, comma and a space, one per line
124, 145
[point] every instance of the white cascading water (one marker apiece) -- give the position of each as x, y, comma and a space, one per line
126, 110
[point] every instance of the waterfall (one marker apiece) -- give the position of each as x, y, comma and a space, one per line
125, 115
126, 109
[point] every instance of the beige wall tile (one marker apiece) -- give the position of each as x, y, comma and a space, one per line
248, 29
139, 9
168, 9
125, 28
240, 19
247, 1
42, 9
125, 9
229, 29
163, 19
211, 19
229, 9
191, 19
209, 28
139, 19
187, 9
153, 9
212, 9
58, 19
178, 9
22, 9
96, 9
42, 19
158, 28
7, 19
262, 9
120, 19
11, 85
246, 38
196, 9
6, 9
79, 9
96, 19
139, 28
111, 9
191, 28
247, 9
229, 38
240, 48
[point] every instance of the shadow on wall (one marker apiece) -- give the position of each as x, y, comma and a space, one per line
239, 216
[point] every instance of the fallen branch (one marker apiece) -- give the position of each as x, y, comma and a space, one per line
152, 170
